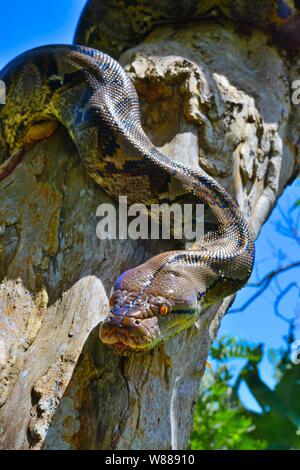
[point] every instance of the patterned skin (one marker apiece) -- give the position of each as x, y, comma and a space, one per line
116, 25
91, 95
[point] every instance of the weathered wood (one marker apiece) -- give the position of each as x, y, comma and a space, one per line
209, 96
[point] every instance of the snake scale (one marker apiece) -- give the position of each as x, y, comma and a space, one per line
90, 94
116, 25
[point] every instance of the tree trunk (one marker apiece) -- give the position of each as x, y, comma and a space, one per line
209, 96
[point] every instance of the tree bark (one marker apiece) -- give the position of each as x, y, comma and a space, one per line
209, 96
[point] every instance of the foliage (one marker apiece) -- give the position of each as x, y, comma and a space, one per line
222, 422
280, 421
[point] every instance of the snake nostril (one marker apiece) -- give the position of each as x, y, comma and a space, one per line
137, 322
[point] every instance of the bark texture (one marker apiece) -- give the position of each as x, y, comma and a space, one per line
209, 96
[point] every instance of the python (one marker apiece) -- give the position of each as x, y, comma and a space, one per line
91, 95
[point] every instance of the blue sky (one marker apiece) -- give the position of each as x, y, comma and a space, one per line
258, 322
32, 23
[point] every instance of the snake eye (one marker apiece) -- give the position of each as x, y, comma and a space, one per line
164, 309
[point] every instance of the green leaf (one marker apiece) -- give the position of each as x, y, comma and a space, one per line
221, 421
267, 398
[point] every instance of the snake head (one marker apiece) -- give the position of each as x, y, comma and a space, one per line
147, 310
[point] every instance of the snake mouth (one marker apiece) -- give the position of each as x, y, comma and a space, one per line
128, 335
119, 348
125, 344
122, 349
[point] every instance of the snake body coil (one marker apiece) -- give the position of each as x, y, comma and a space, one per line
91, 95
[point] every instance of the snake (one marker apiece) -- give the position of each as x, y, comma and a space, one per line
117, 25
91, 95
